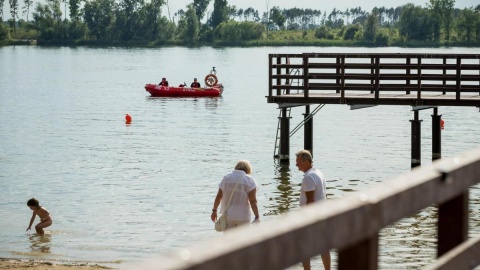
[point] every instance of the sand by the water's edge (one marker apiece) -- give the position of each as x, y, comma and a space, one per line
6, 263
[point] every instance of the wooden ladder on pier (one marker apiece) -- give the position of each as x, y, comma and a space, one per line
300, 125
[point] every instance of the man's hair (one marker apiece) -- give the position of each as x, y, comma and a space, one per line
305, 155
244, 165
33, 202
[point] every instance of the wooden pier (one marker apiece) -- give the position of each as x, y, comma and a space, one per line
422, 81
352, 225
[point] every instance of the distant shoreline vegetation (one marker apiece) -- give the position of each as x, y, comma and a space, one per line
251, 43
140, 24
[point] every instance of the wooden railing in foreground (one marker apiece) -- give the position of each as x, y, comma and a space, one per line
350, 225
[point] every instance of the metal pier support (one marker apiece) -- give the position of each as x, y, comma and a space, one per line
436, 135
284, 150
308, 130
416, 140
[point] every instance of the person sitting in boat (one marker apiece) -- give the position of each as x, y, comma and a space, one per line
195, 84
164, 82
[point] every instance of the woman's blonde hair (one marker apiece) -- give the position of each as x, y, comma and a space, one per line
244, 165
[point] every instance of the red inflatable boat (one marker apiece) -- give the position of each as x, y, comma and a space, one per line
176, 91
212, 88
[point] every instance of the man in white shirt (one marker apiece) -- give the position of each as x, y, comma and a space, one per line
313, 189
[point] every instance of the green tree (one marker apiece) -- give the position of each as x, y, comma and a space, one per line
448, 8
232, 11
352, 30
251, 14
414, 23
166, 30
128, 20
239, 14
43, 21
372, 25
77, 30
75, 9
334, 20
65, 8
239, 31
467, 23
4, 33
13, 13
56, 11
151, 16
308, 18
26, 7
324, 32
206, 33
220, 13
1, 10
382, 39
48, 20
200, 7
442, 17
436, 19
277, 17
189, 26
99, 17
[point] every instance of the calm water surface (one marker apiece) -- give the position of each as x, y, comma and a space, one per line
120, 193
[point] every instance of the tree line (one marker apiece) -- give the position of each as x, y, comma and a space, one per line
142, 21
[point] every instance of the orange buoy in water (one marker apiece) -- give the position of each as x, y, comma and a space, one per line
442, 124
128, 119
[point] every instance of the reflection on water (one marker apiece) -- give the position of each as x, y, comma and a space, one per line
287, 194
211, 102
411, 240
40, 242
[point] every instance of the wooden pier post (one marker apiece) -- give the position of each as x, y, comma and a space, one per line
452, 222
308, 130
363, 255
416, 140
284, 150
436, 135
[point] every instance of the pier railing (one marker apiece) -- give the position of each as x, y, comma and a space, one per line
448, 79
350, 225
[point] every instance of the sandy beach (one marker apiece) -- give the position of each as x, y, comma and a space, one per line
45, 265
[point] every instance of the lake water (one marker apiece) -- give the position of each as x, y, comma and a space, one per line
120, 193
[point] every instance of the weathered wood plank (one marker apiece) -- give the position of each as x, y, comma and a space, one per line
464, 256
363, 255
452, 223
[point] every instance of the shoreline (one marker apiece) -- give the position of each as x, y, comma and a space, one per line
293, 41
24, 264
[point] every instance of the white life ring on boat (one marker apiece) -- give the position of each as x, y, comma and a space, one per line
211, 80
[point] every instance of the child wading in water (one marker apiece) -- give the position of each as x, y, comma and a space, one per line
42, 213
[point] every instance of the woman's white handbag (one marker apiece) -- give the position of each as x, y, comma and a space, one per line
221, 223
